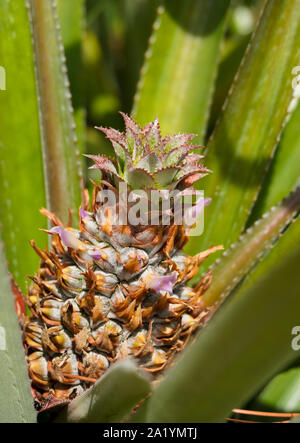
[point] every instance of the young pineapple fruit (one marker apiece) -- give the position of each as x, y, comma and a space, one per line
112, 290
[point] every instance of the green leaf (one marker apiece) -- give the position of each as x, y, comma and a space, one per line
111, 399
138, 17
150, 162
72, 18
180, 65
16, 402
284, 172
139, 178
231, 58
256, 110
61, 156
245, 343
241, 346
282, 393
165, 176
251, 247
21, 168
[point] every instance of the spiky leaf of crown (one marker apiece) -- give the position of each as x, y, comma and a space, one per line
146, 160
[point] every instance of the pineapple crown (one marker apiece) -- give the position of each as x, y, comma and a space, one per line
146, 160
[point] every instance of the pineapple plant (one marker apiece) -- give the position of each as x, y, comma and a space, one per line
107, 291
129, 321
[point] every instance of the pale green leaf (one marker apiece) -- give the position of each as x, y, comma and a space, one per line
150, 162
138, 17
16, 401
282, 394
165, 176
139, 178
71, 15
178, 75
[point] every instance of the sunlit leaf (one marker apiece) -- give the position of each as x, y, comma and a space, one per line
72, 19
282, 393
138, 16
21, 168
178, 75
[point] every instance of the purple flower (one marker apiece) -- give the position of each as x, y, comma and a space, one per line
199, 206
83, 213
192, 213
67, 237
96, 254
162, 282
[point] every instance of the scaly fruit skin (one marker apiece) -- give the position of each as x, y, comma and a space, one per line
108, 291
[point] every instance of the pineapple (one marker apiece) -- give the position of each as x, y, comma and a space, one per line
112, 290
